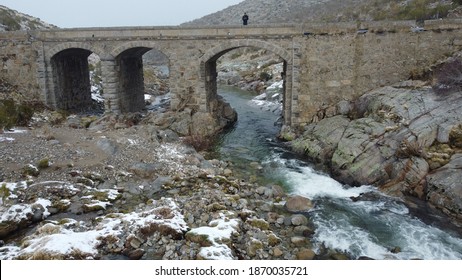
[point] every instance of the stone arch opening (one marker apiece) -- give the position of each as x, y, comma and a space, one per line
71, 80
209, 72
142, 76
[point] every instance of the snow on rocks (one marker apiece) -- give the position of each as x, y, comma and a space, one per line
216, 235
271, 98
10, 131
70, 239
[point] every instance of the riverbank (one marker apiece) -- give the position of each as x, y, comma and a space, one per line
116, 190
125, 188
404, 139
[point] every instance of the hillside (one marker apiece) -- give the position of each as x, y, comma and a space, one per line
11, 20
296, 11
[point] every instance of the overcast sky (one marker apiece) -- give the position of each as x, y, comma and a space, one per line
103, 13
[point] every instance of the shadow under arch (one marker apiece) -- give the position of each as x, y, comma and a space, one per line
128, 59
70, 76
208, 71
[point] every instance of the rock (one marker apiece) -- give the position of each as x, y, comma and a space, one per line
277, 191
409, 177
396, 250
455, 136
260, 190
267, 206
295, 204
157, 185
30, 170
107, 146
273, 240
37, 213
287, 134
444, 187
168, 136
357, 159
277, 252
320, 140
344, 107
299, 219
339, 256
145, 170
253, 246
135, 254
259, 223
85, 181
304, 231
135, 243
227, 172
298, 240
306, 254
7, 227
74, 121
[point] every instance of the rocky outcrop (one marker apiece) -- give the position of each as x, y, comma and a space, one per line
11, 20
187, 122
444, 187
404, 139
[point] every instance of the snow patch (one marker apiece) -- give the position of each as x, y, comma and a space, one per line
61, 242
217, 231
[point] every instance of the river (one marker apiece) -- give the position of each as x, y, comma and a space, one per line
359, 221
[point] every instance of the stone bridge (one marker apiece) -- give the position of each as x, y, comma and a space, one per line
323, 63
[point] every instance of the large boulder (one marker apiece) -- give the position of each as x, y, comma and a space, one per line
297, 204
320, 140
358, 158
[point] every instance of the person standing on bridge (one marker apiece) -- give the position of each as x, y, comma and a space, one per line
245, 19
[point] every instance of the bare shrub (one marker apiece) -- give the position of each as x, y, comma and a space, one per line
449, 77
411, 149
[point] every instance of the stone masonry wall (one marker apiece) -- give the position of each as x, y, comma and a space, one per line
18, 58
344, 65
326, 63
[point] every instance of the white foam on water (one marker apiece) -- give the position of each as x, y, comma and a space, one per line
340, 235
306, 182
426, 242
370, 227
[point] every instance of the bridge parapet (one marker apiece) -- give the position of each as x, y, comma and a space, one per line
160, 33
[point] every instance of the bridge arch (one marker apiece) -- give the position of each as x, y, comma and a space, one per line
70, 75
227, 46
77, 45
129, 70
116, 51
208, 73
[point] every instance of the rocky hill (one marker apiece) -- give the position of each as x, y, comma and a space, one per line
11, 20
295, 11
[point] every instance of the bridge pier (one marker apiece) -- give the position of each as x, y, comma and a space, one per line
110, 86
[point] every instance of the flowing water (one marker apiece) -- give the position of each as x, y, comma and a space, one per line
372, 225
